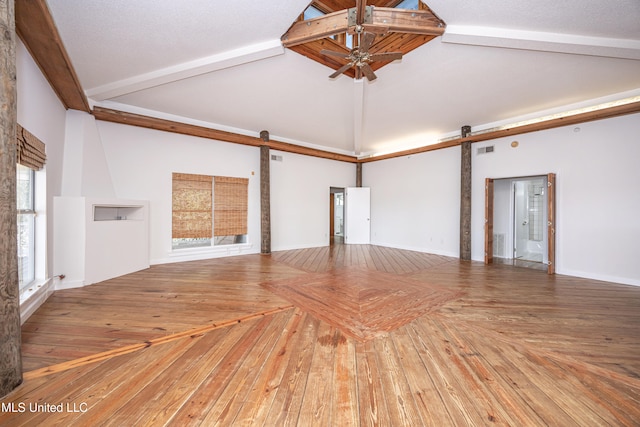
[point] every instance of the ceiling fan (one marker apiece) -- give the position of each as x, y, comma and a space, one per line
359, 56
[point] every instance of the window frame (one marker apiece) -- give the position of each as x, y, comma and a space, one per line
26, 213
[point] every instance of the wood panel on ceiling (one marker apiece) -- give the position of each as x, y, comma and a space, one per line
312, 51
397, 42
328, 6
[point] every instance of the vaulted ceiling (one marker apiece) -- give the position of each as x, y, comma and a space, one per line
222, 64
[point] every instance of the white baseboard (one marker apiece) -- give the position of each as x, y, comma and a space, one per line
69, 284
601, 277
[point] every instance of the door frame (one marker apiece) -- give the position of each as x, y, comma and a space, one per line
551, 219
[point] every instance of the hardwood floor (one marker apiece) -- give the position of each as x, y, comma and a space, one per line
334, 336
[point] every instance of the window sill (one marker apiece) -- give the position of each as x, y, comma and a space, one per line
191, 254
33, 297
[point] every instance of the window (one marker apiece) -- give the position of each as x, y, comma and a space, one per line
208, 210
26, 225
31, 157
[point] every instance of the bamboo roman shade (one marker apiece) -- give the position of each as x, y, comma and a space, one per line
230, 206
192, 207
30, 150
207, 206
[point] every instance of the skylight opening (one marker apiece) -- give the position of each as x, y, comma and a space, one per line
408, 4
312, 12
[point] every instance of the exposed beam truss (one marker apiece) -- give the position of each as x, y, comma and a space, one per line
380, 20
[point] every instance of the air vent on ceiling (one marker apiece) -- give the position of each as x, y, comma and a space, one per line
276, 158
484, 150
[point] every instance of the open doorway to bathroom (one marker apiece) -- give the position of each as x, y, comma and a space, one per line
336, 215
520, 219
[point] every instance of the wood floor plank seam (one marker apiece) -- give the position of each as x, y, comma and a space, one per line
561, 358
494, 345
567, 361
136, 347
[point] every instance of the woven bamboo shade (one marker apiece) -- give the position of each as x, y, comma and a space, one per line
230, 206
31, 151
192, 207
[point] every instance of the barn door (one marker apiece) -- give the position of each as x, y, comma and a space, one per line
488, 221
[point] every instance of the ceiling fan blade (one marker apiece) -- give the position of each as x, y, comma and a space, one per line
334, 53
367, 42
368, 72
341, 70
389, 56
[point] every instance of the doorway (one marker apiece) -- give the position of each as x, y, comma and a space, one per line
520, 221
336, 215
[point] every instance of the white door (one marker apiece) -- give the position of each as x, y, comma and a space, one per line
357, 213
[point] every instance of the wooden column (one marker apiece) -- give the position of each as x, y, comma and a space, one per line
358, 174
265, 196
10, 356
465, 197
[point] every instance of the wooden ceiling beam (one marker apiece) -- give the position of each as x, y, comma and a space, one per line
316, 28
383, 19
361, 7
589, 116
407, 21
36, 29
115, 116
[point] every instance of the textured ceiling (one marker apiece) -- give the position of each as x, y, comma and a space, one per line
221, 64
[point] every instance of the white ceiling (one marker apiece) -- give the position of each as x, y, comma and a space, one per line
220, 64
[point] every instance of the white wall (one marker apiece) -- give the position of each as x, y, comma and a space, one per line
415, 201
85, 170
300, 188
141, 162
41, 113
598, 193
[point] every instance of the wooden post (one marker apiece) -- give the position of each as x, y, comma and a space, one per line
465, 196
10, 356
265, 196
488, 221
358, 174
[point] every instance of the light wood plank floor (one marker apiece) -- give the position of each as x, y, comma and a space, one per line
334, 336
